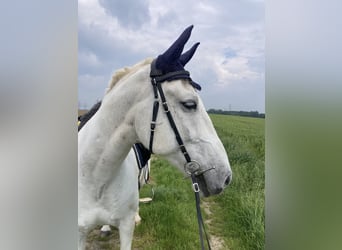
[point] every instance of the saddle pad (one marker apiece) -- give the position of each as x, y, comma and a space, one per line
142, 154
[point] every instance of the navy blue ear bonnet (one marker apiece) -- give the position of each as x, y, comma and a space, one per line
170, 65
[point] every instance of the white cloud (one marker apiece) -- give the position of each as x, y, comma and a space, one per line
231, 35
236, 68
88, 59
92, 82
91, 13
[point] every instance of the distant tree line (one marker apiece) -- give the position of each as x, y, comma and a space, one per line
239, 113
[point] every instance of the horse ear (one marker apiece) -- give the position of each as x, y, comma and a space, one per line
185, 57
173, 53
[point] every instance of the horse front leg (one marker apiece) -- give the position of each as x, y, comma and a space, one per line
126, 231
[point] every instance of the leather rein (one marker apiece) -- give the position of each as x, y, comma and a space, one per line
192, 168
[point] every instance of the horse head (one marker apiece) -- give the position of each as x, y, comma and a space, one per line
202, 153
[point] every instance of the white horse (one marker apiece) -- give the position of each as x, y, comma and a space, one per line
142, 163
124, 118
141, 175
137, 161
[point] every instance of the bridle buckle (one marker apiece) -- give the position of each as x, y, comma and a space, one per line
195, 186
191, 167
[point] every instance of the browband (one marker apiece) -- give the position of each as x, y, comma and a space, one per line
160, 77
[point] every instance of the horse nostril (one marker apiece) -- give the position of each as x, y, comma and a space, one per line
228, 180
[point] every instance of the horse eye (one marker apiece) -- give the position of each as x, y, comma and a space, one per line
189, 104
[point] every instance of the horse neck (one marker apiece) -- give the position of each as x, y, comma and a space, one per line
111, 132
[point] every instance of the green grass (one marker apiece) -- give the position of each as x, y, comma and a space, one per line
169, 221
237, 215
239, 212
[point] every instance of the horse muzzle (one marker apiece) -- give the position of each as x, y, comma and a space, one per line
211, 183
218, 188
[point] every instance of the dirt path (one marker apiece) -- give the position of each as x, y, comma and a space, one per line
216, 242
95, 241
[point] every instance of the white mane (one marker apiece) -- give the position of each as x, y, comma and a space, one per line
125, 72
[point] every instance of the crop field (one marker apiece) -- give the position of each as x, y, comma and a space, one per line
234, 219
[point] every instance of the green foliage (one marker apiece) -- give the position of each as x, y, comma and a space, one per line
239, 113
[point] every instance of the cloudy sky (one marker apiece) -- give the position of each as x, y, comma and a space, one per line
229, 63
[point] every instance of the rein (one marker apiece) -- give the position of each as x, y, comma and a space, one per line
191, 167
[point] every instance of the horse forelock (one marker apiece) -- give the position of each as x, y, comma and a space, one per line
121, 73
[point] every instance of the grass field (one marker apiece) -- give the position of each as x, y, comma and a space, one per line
234, 219
239, 212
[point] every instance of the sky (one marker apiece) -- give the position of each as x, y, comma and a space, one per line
229, 63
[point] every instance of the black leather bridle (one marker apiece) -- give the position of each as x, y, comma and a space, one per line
191, 167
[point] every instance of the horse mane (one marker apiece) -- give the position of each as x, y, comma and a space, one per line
121, 73
83, 119
117, 76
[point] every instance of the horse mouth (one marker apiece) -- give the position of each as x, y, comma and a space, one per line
210, 190
202, 185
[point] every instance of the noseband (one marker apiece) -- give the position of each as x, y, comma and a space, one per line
191, 167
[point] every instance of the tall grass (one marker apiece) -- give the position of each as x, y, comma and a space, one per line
239, 212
